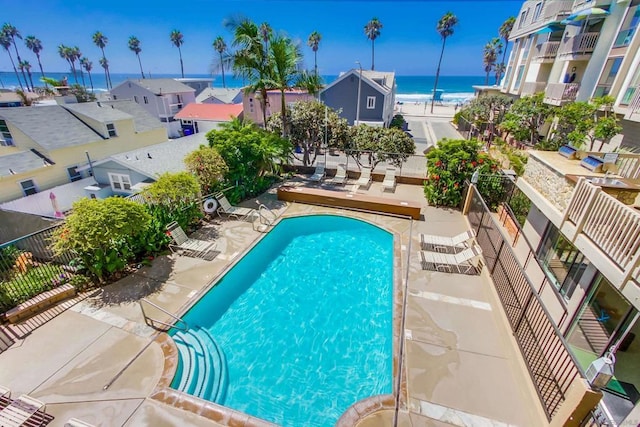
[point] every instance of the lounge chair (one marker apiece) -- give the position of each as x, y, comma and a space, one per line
187, 246
465, 262
20, 411
389, 181
340, 177
365, 178
319, 173
443, 243
232, 211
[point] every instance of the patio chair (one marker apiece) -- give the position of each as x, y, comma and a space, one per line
389, 181
187, 246
365, 178
465, 262
228, 209
340, 177
20, 411
443, 243
319, 173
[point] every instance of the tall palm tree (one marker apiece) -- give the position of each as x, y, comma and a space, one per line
101, 41
67, 54
285, 58
266, 32
5, 41
372, 31
35, 46
75, 56
220, 46
445, 29
88, 66
12, 32
504, 31
134, 46
104, 63
489, 57
178, 40
314, 42
24, 65
311, 82
499, 70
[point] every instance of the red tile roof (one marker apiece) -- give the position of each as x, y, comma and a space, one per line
218, 112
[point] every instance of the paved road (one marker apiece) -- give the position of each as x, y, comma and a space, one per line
427, 131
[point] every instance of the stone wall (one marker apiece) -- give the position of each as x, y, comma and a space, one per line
552, 185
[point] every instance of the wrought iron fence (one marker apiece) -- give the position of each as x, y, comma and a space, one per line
28, 266
549, 362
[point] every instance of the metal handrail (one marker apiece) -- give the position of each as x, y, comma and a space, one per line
263, 219
147, 318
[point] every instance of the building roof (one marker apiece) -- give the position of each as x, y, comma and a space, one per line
383, 82
159, 86
23, 161
216, 112
98, 111
142, 120
52, 127
224, 95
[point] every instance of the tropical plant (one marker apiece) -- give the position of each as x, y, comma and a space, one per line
66, 53
134, 46
88, 66
397, 122
380, 145
311, 82
505, 31
81, 94
285, 58
485, 109
314, 43
220, 46
177, 39
24, 65
101, 41
35, 45
5, 41
372, 31
445, 28
208, 166
490, 56
12, 32
499, 71
573, 121
75, 56
526, 116
266, 32
606, 124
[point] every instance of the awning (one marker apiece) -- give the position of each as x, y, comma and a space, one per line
550, 28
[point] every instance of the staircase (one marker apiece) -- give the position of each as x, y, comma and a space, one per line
202, 370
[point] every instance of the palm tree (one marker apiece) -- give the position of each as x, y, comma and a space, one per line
101, 41
178, 40
24, 65
104, 63
372, 31
314, 42
311, 82
5, 41
445, 28
67, 54
266, 32
134, 46
489, 58
35, 46
504, 31
12, 32
285, 57
75, 56
220, 46
88, 66
499, 70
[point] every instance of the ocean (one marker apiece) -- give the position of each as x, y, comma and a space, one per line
411, 89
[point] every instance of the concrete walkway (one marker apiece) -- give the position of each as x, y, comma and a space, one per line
99, 361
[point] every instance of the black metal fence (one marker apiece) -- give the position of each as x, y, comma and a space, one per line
28, 266
545, 352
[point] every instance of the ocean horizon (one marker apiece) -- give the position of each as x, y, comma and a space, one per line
410, 89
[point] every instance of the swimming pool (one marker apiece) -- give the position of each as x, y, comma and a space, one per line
300, 328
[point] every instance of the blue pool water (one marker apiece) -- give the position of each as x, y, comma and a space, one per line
304, 322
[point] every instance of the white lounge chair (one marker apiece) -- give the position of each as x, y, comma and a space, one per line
340, 177
187, 246
20, 411
465, 262
365, 178
232, 211
442, 243
319, 173
389, 181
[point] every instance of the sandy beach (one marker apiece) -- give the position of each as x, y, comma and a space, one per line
419, 110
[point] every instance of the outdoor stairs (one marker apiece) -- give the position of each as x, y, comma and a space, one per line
203, 364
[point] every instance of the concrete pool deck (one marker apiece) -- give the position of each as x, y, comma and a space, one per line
99, 361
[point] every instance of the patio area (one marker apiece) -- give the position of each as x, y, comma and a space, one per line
99, 361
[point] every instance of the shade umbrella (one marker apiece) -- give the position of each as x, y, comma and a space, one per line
568, 22
550, 28
588, 13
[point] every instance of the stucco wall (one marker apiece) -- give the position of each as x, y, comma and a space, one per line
552, 185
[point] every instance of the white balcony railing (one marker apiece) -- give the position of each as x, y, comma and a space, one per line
634, 105
559, 93
546, 50
580, 44
529, 88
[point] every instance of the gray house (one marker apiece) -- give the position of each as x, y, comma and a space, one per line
377, 96
217, 95
162, 98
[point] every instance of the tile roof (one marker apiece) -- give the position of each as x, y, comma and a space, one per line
159, 86
225, 95
23, 161
218, 112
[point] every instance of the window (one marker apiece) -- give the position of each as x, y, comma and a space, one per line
523, 17
179, 97
28, 187
519, 77
631, 90
537, 11
120, 182
527, 47
628, 27
611, 69
5, 136
111, 128
74, 175
371, 102
146, 100
135, 98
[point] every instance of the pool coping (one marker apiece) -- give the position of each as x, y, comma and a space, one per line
353, 414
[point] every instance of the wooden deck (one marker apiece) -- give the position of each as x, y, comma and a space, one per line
318, 196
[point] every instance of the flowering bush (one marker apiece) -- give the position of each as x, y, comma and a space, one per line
449, 165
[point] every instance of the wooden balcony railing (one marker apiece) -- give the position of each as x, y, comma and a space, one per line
546, 50
579, 44
559, 93
529, 88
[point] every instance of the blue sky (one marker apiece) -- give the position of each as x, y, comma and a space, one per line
408, 45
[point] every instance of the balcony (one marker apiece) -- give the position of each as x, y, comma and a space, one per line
545, 52
580, 44
561, 93
552, 11
174, 108
530, 88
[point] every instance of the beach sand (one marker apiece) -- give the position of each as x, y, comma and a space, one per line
418, 110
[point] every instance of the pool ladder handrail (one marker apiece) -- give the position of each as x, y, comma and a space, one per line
147, 318
265, 222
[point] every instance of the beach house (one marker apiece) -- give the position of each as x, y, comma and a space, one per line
252, 105
162, 98
363, 96
216, 95
196, 118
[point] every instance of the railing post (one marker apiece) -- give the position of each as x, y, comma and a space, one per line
586, 209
